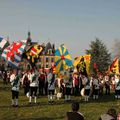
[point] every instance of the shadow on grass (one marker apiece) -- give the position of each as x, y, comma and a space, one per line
44, 118
102, 99
38, 104
46, 104
4, 88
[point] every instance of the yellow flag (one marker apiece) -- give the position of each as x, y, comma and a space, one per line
114, 68
77, 60
34, 52
87, 59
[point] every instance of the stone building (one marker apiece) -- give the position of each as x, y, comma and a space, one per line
47, 57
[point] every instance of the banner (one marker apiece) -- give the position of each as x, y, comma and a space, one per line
114, 68
13, 53
3, 43
82, 63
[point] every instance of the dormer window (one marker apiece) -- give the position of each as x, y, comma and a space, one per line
49, 52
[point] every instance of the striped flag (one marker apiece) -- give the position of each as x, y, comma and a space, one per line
13, 53
34, 52
3, 43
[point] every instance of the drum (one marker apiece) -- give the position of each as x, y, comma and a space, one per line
28, 94
82, 92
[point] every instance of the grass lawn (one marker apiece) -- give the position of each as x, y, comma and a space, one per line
43, 111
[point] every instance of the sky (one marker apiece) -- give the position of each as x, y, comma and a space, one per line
74, 23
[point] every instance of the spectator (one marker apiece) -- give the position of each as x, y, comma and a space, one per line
110, 115
118, 116
75, 115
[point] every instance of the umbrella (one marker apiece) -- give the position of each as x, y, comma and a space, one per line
62, 59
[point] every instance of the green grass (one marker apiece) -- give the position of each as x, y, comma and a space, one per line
43, 111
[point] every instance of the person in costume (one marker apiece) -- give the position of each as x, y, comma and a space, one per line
15, 83
76, 84
25, 83
5, 77
95, 87
101, 82
51, 86
33, 77
42, 79
87, 88
107, 85
68, 86
117, 88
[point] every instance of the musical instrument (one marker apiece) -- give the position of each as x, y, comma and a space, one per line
82, 92
28, 94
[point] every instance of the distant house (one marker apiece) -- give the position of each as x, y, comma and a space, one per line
47, 57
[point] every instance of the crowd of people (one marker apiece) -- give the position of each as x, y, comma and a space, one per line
40, 82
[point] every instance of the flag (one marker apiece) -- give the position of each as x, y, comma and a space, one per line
95, 67
3, 43
87, 59
34, 52
83, 64
63, 59
13, 53
114, 68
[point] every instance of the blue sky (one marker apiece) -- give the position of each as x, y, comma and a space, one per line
73, 22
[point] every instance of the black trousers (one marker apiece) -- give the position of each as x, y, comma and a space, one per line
15, 94
51, 92
33, 91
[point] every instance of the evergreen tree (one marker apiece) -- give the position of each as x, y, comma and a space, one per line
100, 57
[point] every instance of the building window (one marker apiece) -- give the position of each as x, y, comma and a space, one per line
49, 52
39, 59
47, 59
39, 66
47, 66
52, 59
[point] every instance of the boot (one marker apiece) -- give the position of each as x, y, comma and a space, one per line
16, 103
87, 98
30, 99
13, 104
35, 99
94, 97
48, 98
65, 97
69, 97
